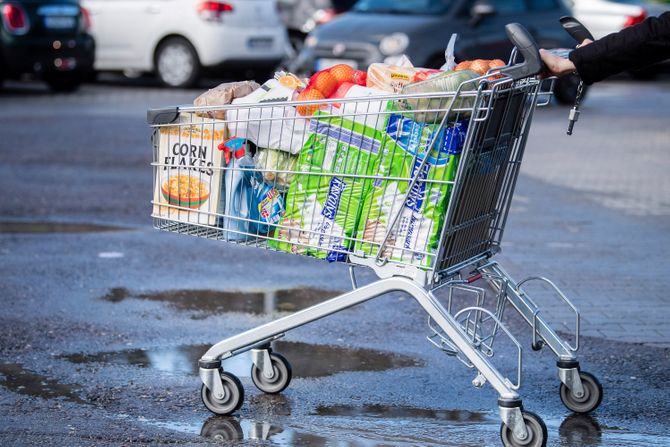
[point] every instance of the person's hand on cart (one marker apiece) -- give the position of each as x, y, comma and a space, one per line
631, 48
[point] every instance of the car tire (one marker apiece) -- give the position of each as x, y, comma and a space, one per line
176, 63
64, 84
565, 89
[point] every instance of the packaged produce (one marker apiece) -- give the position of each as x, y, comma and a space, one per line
415, 236
277, 167
224, 94
189, 175
479, 66
330, 83
323, 202
392, 78
444, 82
278, 127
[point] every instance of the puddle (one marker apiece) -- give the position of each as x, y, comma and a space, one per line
15, 378
209, 302
391, 412
54, 227
307, 360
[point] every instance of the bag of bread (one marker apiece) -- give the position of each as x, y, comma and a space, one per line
224, 94
392, 78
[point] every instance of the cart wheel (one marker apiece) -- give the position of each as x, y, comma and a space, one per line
593, 395
279, 380
232, 400
537, 432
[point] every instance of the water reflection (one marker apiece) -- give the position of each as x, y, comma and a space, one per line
15, 377
208, 302
395, 412
307, 360
580, 430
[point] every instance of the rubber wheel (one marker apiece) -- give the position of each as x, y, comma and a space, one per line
279, 381
565, 89
222, 429
593, 395
537, 432
232, 400
177, 63
64, 84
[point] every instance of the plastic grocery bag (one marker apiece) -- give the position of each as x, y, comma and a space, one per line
278, 127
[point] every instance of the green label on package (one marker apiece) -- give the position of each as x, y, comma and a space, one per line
421, 209
324, 201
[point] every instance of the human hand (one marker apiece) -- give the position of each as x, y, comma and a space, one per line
556, 66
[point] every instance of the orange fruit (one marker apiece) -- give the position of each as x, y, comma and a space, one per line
290, 81
479, 66
342, 72
495, 63
465, 65
309, 94
324, 82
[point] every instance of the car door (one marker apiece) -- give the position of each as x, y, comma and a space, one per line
123, 30
486, 39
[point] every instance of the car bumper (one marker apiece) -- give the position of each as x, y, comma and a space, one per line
48, 55
243, 46
360, 54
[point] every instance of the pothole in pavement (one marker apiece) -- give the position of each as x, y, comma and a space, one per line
55, 227
15, 377
307, 360
207, 302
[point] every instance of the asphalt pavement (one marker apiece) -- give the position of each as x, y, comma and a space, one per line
104, 318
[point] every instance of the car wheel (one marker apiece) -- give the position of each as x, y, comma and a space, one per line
565, 89
177, 63
64, 84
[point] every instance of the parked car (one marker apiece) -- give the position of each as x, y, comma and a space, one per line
382, 30
48, 39
302, 16
180, 40
603, 17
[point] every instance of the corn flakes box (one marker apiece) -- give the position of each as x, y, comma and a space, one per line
187, 184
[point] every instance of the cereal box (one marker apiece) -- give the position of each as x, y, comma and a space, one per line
187, 184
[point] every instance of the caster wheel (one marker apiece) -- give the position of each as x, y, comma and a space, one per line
231, 401
593, 395
279, 380
537, 433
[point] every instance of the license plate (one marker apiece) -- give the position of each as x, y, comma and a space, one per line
59, 22
323, 64
257, 43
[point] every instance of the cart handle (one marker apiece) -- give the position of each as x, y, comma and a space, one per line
525, 44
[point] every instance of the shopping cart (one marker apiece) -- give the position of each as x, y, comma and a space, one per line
416, 187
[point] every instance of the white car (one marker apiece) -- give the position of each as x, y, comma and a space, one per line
603, 17
180, 39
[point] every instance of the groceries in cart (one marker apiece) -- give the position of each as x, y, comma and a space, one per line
409, 215
367, 171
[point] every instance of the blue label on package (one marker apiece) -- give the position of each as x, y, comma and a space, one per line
415, 138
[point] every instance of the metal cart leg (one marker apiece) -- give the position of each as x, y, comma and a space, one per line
580, 391
259, 338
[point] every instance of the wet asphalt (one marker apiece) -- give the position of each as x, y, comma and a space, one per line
103, 318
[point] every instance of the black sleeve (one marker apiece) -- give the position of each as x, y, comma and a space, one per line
631, 48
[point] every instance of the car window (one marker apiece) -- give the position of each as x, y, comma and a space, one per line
542, 5
419, 7
505, 7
